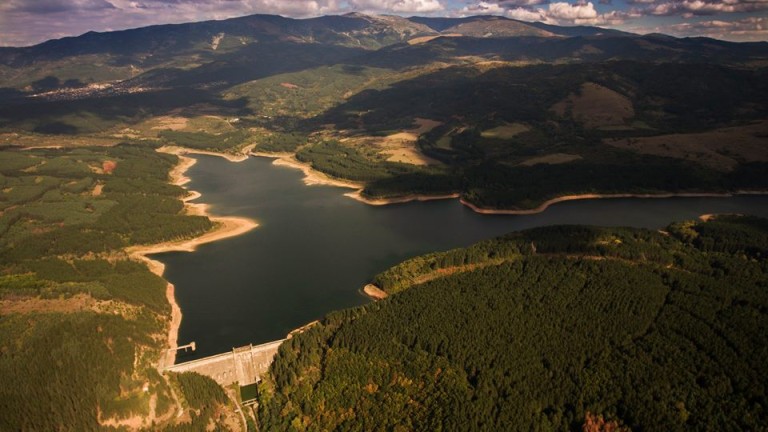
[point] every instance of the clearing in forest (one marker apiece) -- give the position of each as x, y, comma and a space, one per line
596, 106
400, 146
721, 149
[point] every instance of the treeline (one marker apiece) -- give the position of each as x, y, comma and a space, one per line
647, 329
338, 160
278, 142
67, 215
136, 205
205, 141
491, 172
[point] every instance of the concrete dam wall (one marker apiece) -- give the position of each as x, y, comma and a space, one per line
243, 365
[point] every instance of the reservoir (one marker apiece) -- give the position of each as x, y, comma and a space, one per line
315, 249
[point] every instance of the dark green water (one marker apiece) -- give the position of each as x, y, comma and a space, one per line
315, 248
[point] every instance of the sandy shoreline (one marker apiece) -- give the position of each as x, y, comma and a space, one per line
548, 203
315, 177
224, 227
180, 151
357, 195
311, 176
375, 292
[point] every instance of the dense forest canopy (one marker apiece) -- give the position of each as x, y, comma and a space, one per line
534, 330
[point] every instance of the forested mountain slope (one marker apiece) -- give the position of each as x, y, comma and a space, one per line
541, 330
504, 113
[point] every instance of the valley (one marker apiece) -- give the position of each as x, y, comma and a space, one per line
123, 231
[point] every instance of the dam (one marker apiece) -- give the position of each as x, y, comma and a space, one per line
244, 365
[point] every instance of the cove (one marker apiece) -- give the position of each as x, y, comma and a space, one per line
315, 249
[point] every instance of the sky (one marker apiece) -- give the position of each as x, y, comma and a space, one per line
28, 22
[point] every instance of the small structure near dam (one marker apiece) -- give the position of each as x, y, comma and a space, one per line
243, 365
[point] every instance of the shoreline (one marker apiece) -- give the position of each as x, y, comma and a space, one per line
224, 227
546, 204
230, 226
314, 177
374, 292
181, 151
357, 196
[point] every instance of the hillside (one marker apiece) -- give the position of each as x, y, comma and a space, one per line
349, 94
503, 113
83, 323
546, 329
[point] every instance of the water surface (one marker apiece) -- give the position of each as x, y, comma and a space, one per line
315, 248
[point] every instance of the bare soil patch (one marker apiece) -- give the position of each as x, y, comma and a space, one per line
97, 190
170, 123
375, 292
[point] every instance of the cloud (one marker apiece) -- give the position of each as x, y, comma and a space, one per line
741, 30
54, 6
24, 22
522, 3
582, 12
562, 11
218, 9
688, 8
397, 6
524, 14
483, 8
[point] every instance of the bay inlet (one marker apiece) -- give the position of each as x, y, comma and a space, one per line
315, 248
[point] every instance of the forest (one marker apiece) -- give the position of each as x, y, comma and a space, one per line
548, 329
82, 324
536, 330
493, 172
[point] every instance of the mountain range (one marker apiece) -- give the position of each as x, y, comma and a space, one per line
483, 101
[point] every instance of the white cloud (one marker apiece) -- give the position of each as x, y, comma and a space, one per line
397, 6
747, 29
483, 8
688, 8
562, 11
524, 14
23, 22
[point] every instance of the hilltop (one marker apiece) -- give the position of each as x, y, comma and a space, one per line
409, 106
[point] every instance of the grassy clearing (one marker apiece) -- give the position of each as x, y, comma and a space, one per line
399, 146
505, 132
551, 159
722, 149
596, 106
